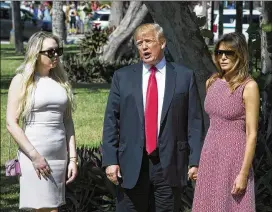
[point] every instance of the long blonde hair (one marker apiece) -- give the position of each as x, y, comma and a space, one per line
27, 70
239, 72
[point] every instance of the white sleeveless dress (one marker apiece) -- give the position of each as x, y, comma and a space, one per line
47, 129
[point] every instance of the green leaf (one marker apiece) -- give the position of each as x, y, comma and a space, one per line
253, 28
201, 21
206, 33
267, 27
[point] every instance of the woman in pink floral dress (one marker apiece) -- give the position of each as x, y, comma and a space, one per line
225, 180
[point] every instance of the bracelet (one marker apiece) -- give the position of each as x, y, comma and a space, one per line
73, 157
74, 162
30, 150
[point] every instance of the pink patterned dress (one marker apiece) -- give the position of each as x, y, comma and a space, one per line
223, 153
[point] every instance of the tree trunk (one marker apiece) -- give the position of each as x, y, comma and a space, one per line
17, 27
58, 21
212, 20
250, 36
266, 37
133, 18
116, 15
250, 11
239, 17
205, 14
184, 41
220, 21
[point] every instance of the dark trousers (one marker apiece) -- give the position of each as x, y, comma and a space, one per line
151, 193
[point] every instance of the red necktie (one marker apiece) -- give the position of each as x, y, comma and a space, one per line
151, 112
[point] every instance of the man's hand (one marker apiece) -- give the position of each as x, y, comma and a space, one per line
113, 172
192, 173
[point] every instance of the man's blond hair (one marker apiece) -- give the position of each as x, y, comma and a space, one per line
150, 27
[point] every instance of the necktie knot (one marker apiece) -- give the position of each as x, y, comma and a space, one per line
153, 69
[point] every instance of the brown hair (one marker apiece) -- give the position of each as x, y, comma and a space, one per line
239, 72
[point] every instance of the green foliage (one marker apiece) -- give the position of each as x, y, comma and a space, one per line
90, 69
86, 66
254, 47
201, 22
206, 33
263, 156
267, 27
91, 191
92, 44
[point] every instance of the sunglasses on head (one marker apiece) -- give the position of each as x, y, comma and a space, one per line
51, 53
227, 53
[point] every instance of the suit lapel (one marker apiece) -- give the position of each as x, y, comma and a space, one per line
170, 84
138, 90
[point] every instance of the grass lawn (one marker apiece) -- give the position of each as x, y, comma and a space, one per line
88, 120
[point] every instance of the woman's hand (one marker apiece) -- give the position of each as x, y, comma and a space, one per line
72, 171
192, 173
239, 185
41, 167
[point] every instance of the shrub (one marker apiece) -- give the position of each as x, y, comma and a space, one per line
81, 68
86, 66
91, 191
263, 156
91, 45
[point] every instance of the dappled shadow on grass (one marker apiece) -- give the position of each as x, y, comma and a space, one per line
4, 92
5, 81
10, 54
7, 49
93, 87
9, 192
13, 58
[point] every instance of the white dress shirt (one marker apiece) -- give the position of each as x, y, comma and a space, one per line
160, 77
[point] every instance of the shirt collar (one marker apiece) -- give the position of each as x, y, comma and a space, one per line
159, 66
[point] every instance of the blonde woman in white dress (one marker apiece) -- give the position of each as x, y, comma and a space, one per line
41, 96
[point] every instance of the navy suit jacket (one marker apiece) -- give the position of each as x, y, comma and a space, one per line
181, 127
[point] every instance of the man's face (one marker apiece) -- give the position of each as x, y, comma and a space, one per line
150, 49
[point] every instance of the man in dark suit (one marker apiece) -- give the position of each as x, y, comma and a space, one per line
152, 128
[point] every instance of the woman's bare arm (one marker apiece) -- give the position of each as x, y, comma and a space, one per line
12, 119
252, 103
